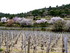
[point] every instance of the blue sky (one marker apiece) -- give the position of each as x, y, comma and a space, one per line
18, 6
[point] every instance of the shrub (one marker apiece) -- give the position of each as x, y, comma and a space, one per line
36, 18
40, 24
2, 23
43, 29
16, 25
58, 25
67, 26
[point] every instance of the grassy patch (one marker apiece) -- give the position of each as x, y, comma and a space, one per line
1, 49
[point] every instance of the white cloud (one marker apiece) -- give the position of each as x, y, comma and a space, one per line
18, 6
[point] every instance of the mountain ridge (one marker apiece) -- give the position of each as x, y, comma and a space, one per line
62, 11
